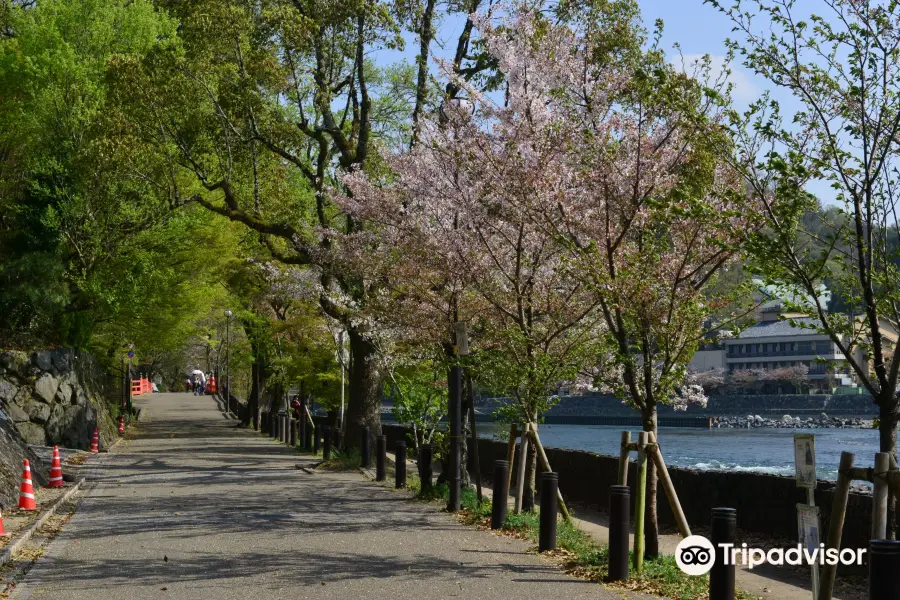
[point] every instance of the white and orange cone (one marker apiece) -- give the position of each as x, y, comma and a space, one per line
2, 530
26, 492
121, 424
56, 476
95, 441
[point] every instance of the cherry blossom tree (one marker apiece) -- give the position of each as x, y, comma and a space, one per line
648, 211
589, 205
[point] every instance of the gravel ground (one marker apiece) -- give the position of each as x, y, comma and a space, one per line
190, 507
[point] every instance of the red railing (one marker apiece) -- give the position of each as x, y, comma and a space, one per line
141, 386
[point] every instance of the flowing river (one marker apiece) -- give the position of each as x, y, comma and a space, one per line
754, 450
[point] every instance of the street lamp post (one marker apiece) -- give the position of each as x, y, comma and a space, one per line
228, 314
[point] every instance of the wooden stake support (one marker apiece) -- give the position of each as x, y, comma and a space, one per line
511, 452
624, 451
545, 467
683, 527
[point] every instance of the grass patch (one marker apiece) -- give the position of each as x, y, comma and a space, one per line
341, 461
577, 552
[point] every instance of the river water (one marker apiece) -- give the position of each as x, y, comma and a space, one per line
754, 450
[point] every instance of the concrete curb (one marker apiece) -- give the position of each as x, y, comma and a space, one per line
113, 445
15, 545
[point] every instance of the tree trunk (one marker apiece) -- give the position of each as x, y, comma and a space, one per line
366, 388
887, 442
530, 469
651, 521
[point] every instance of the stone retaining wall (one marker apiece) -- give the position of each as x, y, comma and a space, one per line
55, 397
766, 504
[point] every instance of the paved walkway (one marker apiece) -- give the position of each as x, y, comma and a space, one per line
193, 508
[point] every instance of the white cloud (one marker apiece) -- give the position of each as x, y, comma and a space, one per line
744, 90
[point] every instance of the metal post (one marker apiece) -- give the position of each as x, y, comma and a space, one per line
336, 432
549, 508
308, 435
282, 428
125, 384
262, 422
228, 361
721, 576
316, 436
326, 448
273, 424
292, 428
884, 564
364, 451
619, 513
400, 466
454, 384
501, 494
426, 455
130, 406
380, 457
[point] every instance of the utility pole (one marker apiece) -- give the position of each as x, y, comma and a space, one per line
228, 314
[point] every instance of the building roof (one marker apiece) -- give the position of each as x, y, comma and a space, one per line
780, 328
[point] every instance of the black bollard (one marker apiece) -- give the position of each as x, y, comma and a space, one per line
308, 435
721, 576
426, 455
549, 508
292, 429
501, 494
283, 432
337, 438
273, 425
884, 564
619, 519
326, 447
380, 458
400, 467
364, 450
262, 422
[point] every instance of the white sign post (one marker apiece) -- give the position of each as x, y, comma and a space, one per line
462, 338
807, 514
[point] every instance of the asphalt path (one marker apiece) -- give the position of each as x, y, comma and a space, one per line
192, 507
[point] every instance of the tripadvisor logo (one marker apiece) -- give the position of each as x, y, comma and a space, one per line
696, 555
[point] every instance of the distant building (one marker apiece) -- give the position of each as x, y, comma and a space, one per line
776, 344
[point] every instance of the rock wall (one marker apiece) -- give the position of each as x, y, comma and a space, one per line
55, 397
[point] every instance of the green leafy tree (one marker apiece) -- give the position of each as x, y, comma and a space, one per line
841, 67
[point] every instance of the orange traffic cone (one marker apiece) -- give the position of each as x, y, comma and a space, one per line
95, 441
121, 424
2, 530
26, 492
56, 478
